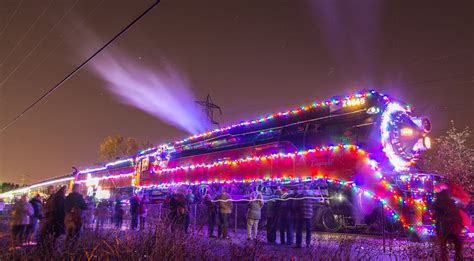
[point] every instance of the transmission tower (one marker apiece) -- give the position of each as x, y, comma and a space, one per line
209, 107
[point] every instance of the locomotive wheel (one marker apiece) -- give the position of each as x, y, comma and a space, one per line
329, 221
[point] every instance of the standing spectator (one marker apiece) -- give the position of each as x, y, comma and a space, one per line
190, 198
272, 217
254, 214
119, 212
37, 215
286, 218
143, 211
178, 211
52, 226
74, 204
20, 218
304, 217
88, 216
449, 224
2, 206
101, 214
225, 209
134, 207
211, 214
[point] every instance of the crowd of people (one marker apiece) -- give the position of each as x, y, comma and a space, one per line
289, 212
286, 212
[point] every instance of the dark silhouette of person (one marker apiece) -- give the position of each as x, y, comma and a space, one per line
304, 217
179, 211
52, 226
134, 210
449, 224
74, 204
119, 212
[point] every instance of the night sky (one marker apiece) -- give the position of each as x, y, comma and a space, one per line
252, 57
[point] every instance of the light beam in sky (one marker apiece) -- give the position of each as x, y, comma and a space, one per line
164, 93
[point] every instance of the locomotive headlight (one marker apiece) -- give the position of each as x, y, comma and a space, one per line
406, 132
340, 197
373, 110
427, 142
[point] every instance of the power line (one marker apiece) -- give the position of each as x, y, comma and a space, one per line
59, 84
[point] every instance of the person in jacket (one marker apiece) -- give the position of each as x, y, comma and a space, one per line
2, 206
272, 214
20, 218
286, 217
101, 213
36, 204
304, 217
143, 211
190, 199
449, 224
254, 214
211, 214
225, 209
134, 211
74, 204
52, 226
179, 211
119, 212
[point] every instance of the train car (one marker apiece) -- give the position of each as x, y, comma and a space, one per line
109, 181
44, 188
356, 153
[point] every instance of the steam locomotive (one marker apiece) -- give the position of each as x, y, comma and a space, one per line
357, 155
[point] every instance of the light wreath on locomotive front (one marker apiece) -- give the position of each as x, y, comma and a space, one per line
347, 149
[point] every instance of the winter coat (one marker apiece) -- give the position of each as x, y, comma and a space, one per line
143, 209
225, 207
119, 209
178, 206
21, 212
446, 213
287, 206
273, 206
211, 207
134, 205
37, 211
255, 209
74, 200
306, 208
190, 198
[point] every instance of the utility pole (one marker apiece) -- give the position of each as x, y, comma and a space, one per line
22, 180
209, 107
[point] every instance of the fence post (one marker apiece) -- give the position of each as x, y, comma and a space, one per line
159, 212
195, 213
235, 218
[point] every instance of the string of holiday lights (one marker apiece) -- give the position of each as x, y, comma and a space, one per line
398, 162
91, 179
356, 99
261, 159
108, 165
